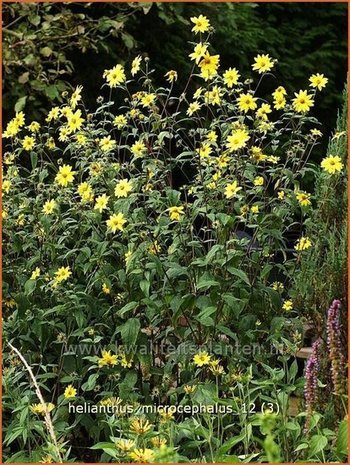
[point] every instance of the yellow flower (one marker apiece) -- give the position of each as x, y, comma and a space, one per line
40, 409
85, 192
46, 459
303, 198
120, 121
105, 289
154, 248
76, 97
209, 65
281, 195
332, 164
65, 175
231, 77
10, 303
255, 209
142, 455
213, 96
232, 189
123, 188
189, 389
95, 169
106, 144
256, 154
12, 129
246, 102
216, 368
6, 185
318, 81
34, 126
62, 274
125, 445
166, 415
316, 132
49, 207
158, 442
204, 150
19, 119
198, 52
287, 305
175, 213
148, 100
171, 75
237, 140
127, 256
222, 161
303, 243
116, 222
140, 425
101, 203
201, 359
81, 139
273, 159
125, 363
263, 111
115, 76
138, 148
198, 93
263, 63
28, 143
302, 101
64, 133
70, 392
279, 102
107, 359
193, 107
201, 24
53, 114
136, 65
50, 144
277, 286
75, 121
212, 136
66, 112
259, 181
279, 91
36, 273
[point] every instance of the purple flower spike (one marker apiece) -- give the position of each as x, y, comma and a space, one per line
335, 350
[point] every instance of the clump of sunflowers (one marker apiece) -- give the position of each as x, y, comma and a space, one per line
160, 217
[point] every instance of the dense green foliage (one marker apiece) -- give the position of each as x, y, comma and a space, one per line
160, 247
323, 272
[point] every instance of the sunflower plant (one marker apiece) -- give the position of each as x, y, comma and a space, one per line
142, 232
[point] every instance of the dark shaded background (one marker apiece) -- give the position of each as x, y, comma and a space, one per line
304, 37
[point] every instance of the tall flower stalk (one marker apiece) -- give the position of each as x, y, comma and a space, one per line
311, 376
335, 350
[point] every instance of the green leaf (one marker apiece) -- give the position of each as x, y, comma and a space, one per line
239, 273
90, 383
20, 104
130, 330
206, 281
52, 92
33, 160
342, 440
127, 308
29, 286
317, 444
46, 51
204, 316
230, 443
